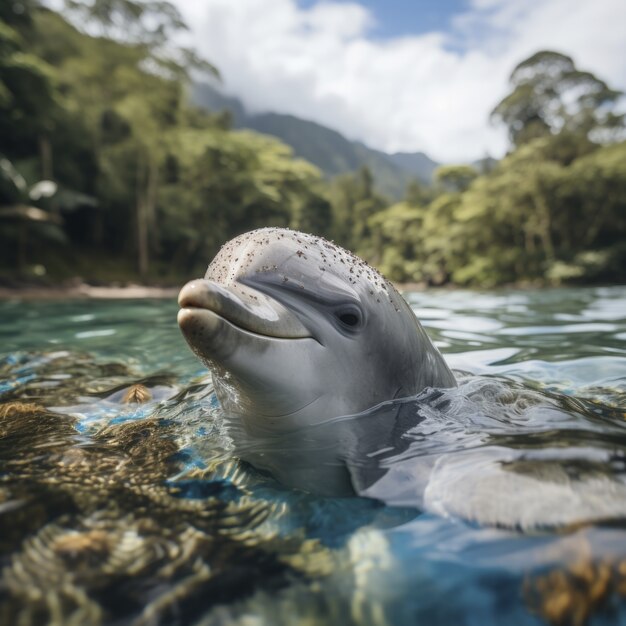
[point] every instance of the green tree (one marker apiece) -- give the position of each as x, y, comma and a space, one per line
538, 218
28, 106
591, 225
455, 178
172, 182
131, 21
33, 214
354, 200
394, 243
126, 94
223, 183
418, 194
549, 95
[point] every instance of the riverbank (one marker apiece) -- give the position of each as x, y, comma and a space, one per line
85, 291
136, 291
126, 292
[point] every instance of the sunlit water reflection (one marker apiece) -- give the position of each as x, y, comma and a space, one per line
114, 512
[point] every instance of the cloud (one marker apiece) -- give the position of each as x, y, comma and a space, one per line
430, 92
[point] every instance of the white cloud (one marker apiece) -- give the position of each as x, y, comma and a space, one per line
430, 92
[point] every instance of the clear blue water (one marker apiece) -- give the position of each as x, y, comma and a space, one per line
138, 513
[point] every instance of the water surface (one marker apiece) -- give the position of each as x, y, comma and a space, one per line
120, 513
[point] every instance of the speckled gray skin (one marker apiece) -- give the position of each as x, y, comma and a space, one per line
297, 331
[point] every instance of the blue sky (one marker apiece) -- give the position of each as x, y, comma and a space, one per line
400, 75
396, 18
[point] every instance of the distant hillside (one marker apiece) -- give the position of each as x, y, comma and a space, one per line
416, 163
207, 97
324, 147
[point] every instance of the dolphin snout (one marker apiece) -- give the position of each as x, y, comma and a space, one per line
240, 305
201, 294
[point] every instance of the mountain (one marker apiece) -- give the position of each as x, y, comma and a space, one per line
416, 163
207, 97
324, 147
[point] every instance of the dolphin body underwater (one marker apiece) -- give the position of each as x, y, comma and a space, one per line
297, 331
317, 360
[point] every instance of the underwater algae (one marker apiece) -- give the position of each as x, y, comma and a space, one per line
572, 594
92, 532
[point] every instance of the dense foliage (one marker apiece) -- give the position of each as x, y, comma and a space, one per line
544, 214
143, 182
553, 210
108, 172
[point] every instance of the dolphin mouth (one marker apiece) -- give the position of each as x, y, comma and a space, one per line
242, 306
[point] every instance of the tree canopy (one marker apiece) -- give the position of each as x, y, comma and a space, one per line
108, 170
550, 94
107, 117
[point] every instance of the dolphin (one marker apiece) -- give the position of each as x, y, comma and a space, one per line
329, 383
298, 332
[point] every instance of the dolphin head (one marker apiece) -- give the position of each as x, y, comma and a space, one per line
297, 330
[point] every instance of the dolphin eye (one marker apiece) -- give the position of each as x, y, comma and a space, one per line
349, 318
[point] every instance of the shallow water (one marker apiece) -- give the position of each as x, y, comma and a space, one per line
115, 512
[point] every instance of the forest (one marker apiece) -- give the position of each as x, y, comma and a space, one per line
110, 174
